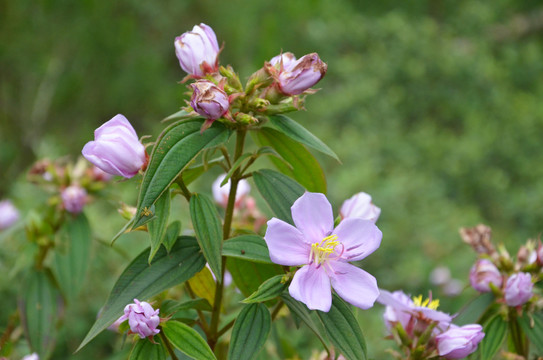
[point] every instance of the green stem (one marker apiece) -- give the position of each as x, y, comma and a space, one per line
203, 321
184, 189
225, 328
277, 309
517, 336
168, 345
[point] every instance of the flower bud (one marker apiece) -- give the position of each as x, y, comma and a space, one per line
459, 342
209, 100
283, 61
300, 75
539, 254
221, 193
142, 318
482, 273
116, 148
74, 198
360, 206
197, 50
33, 356
518, 289
8, 214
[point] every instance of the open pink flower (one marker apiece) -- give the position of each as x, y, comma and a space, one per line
325, 253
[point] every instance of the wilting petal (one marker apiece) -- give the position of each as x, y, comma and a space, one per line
311, 285
354, 285
313, 216
359, 237
286, 244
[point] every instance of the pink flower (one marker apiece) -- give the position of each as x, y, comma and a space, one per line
220, 193
295, 77
116, 148
74, 198
197, 50
518, 289
482, 274
142, 318
325, 253
360, 205
459, 342
8, 214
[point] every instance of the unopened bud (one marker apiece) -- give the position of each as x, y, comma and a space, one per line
197, 50
243, 118
142, 318
300, 75
74, 198
209, 100
518, 289
482, 274
360, 206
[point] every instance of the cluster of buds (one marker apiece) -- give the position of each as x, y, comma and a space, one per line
423, 332
512, 282
217, 93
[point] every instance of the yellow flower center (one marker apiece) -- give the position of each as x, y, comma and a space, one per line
321, 251
427, 303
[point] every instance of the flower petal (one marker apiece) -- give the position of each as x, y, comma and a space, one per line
286, 244
359, 237
312, 214
311, 285
354, 285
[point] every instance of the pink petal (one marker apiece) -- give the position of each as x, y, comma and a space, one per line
311, 285
286, 244
354, 285
313, 216
359, 237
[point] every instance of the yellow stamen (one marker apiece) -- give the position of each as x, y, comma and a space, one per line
427, 303
321, 251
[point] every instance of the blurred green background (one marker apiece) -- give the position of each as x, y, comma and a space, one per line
434, 107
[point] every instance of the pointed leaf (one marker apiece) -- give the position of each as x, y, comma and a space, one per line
142, 281
248, 247
250, 332
495, 333
203, 285
473, 311
271, 288
533, 328
207, 225
175, 148
187, 340
297, 132
302, 312
304, 167
343, 330
146, 350
180, 115
157, 226
279, 191
171, 234
169, 307
249, 275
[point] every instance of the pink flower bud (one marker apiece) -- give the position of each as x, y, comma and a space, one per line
302, 74
33, 356
518, 289
116, 148
360, 206
142, 318
459, 342
482, 274
74, 198
197, 50
283, 61
209, 100
8, 214
221, 193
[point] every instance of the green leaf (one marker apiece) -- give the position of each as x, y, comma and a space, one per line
171, 234
248, 276
533, 328
126, 229
207, 225
304, 167
297, 132
175, 148
301, 311
146, 350
473, 311
271, 288
157, 226
279, 191
187, 340
203, 285
180, 115
40, 306
236, 165
248, 247
250, 332
142, 281
343, 330
169, 307
495, 333
72, 255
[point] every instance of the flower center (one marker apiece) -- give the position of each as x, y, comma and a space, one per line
321, 251
427, 303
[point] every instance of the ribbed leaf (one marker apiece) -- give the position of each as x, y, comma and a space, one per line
180, 115
279, 191
157, 226
146, 350
187, 340
175, 148
142, 281
533, 328
207, 225
249, 275
271, 288
495, 333
473, 311
343, 330
169, 307
297, 132
171, 234
250, 332
203, 285
304, 167
301, 312
248, 247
